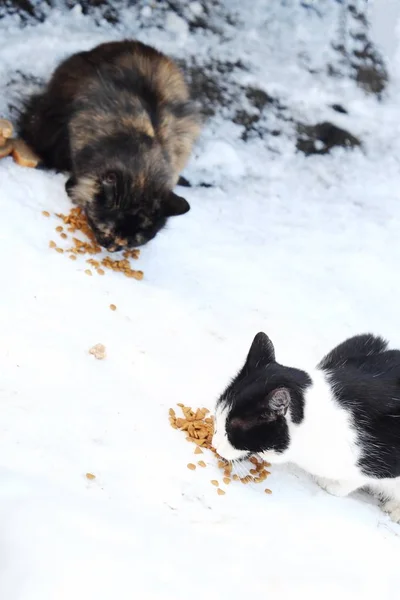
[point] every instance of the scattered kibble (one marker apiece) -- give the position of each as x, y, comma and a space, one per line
52, 244
76, 221
90, 476
198, 426
268, 491
60, 250
113, 307
220, 492
88, 272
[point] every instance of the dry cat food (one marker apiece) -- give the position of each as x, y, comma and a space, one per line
5, 147
75, 222
6, 129
199, 428
98, 351
21, 152
23, 155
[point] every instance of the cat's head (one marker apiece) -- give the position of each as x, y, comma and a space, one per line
126, 194
256, 412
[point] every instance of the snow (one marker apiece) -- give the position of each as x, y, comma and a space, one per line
306, 249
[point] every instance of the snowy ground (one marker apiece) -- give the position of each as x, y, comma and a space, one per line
306, 249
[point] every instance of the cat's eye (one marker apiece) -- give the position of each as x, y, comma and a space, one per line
110, 178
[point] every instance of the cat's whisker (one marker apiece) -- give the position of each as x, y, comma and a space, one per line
240, 468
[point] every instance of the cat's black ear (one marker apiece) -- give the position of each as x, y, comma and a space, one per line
278, 402
261, 353
175, 205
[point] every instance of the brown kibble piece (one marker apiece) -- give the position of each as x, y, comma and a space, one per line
90, 476
6, 128
198, 450
88, 272
191, 466
201, 463
215, 482
220, 492
98, 351
59, 229
113, 307
6, 149
72, 256
52, 244
45, 213
246, 479
100, 271
64, 236
226, 480
59, 250
268, 491
24, 155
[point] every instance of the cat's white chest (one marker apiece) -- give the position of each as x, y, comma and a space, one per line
325, 443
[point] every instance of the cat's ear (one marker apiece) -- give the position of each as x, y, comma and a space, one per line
175, 205
261, 353
278, 402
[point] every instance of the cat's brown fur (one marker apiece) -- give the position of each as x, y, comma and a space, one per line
122, 108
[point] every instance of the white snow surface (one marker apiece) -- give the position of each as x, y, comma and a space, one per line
305, 249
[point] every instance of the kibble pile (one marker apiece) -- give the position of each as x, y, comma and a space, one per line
76, 221
199, 428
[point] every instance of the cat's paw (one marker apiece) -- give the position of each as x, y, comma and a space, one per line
336, 488
392, 507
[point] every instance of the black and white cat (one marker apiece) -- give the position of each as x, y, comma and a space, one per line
340, 421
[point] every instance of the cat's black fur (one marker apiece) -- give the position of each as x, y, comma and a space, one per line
364, 377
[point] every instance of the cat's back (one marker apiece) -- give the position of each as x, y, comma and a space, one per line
383, 366
368, 386
159, 71
148, 68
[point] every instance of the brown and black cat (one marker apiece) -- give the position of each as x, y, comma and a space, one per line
120, 119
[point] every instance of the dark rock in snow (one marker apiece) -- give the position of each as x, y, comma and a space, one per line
322, 137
